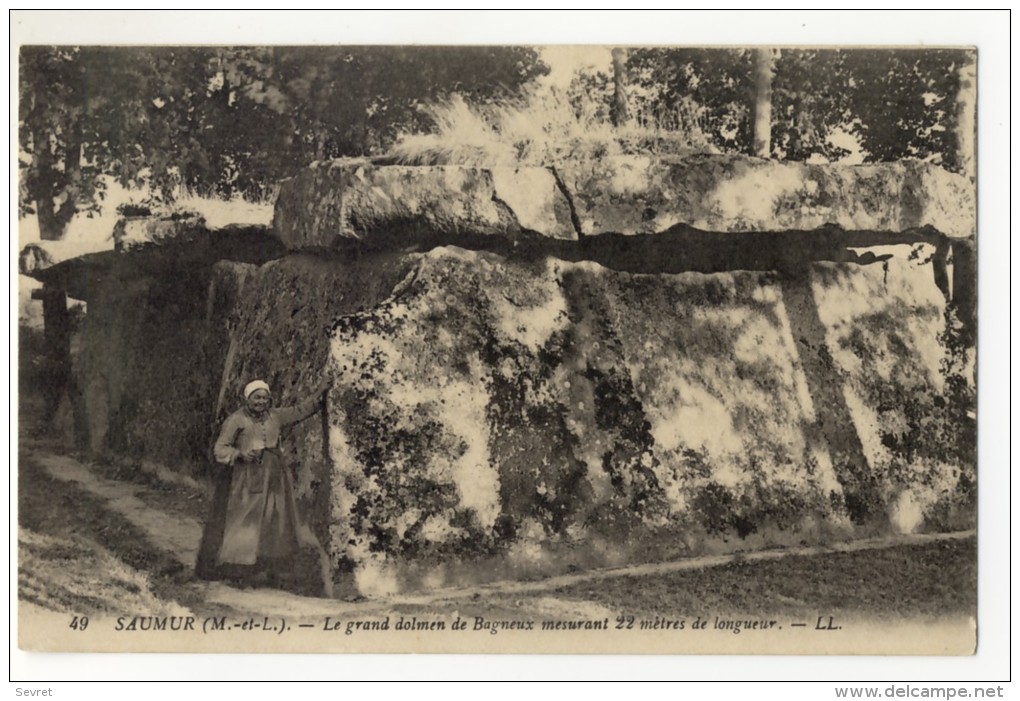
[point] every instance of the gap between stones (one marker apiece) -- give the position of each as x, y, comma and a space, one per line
575, 220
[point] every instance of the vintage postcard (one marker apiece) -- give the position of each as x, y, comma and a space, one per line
501, 349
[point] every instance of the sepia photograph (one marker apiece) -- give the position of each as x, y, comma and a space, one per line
497, 348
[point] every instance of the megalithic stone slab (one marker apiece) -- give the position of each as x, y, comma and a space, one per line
132, 232
340, 201
644, 195
556, 414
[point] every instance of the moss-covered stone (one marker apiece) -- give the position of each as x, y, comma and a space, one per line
905, 376
132, 232
388, 206
511, 412
643, 195
492, 405
334, 202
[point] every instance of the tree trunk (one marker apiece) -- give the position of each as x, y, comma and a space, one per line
763, 62
53, 219
796, 148
966, 118
620, 114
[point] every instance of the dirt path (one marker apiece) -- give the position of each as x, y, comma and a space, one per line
660, 568
176, 534
179, 535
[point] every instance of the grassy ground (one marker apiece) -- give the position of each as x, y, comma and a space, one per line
914, 581
71, 543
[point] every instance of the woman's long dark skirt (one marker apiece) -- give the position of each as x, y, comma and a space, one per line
299, 573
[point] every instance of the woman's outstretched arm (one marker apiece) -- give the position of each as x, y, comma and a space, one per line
311, 405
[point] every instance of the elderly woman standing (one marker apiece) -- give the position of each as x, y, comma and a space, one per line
253, 530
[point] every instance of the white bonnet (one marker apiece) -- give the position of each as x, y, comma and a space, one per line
253, 386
